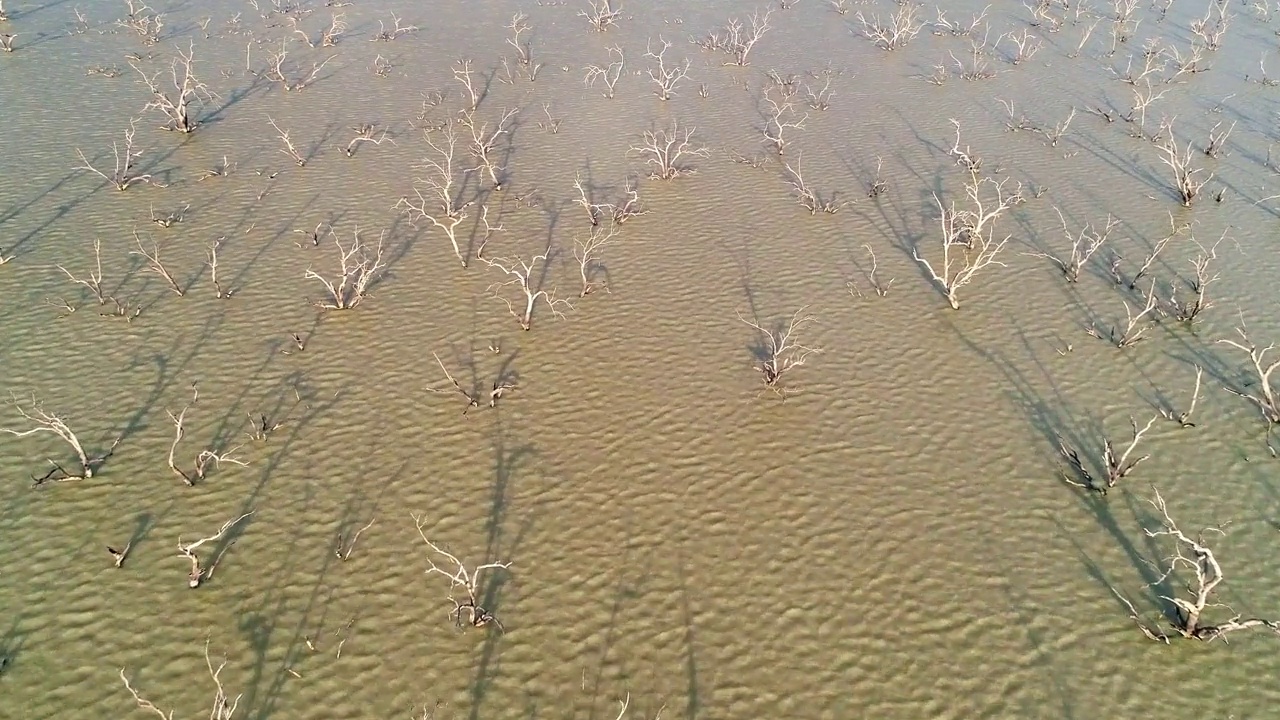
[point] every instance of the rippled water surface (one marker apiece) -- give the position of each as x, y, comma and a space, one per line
892, 540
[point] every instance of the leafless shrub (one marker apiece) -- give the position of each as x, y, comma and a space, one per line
841, 7
518, 26
524, 277
878, 185
552, 124
1178, 159
1264, 396
969, 243
205, 458
780, 116
146, 23
288, 149
110, 72
337, 26
1217, 139
1184, 64
808, 198
781, 350
154, 264
45, 422
223, 708
382, 67
666, 78
365, 132
587, 253
607, 74
211, 255
462, 73
1025, 46
483, 142
1213, 25
900, 28
979, 65
601, 16
882, 289
1114, 468
1083, 246
461, 577
168, 220
1196, 556
93, 282
1189, 311
821, 99
187, 90
1136, 325
1184, 418
4, 16
200, 573
663, 150
276, 69
222, 170
440, 184
385, 35
1056, 133
6, 41
122, 176
359, 267
737, 40
957, 29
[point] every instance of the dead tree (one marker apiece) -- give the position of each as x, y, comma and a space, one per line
122, 176
276, 72
1184, 418
6, 41
199, 573
211, 260
359, 267
154, 265
472, 398
45, 422
205, 458
462, 73
666, 78
1083, 246
93, 282
1185, 177
737, 40
518, 26
224, 708
1135, 327
523, 277
969, 243
168, 220
483, 142
1188, 311
1114, 468
1195, 556
607, 74
779, 117
365, 133
780, 350
461, 577
1264, 396
344, 547
288, 149
601, 16
882, 289
900, 28
385, 35
809, 198
176, 104
664, 150
586, 252
1213, 25
440, 182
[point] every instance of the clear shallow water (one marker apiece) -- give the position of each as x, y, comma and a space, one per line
891, 542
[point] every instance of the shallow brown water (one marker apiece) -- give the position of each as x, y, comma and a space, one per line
891, 542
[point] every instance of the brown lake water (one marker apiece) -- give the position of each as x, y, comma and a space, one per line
892, 540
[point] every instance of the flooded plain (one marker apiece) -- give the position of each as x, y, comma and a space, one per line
894, 539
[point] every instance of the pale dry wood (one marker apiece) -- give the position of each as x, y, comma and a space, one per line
187, 90
894, 31
441, 181
483, 143
154, 264
587, 252
1115, 468
288, 148
1136, 325
345, 547
359, 266
1084, 245
664, 151
122, 176
607, 74
781, 347
460, 576
199, 573
46, 422
1264, 395
1186, 178
601, 15
524, 276
206, 458
664, 76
